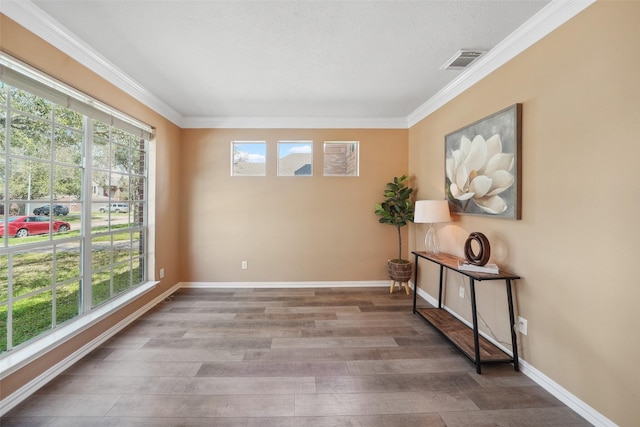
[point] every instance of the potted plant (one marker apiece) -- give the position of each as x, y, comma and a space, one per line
397, 210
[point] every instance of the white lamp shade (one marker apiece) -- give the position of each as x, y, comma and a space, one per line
431, 211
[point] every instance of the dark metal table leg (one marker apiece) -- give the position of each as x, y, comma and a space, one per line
476, 341
514, 336
440, 287
415, 283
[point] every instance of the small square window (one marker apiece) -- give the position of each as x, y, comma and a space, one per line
248, 158
295, 158
341, 158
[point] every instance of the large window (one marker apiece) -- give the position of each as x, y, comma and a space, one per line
73, 204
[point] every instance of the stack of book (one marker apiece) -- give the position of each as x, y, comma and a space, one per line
487, 268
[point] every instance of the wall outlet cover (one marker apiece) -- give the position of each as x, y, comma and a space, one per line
522, 325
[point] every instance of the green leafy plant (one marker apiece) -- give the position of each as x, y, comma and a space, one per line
398, 208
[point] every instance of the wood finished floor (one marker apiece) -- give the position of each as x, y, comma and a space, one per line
286, 357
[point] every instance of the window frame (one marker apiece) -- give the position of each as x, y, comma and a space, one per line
235, 159
356, 169
301, 143
20, 76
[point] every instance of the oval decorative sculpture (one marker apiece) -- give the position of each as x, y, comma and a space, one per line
484, 251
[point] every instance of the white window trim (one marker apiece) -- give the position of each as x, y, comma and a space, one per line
300, 142
231, 159
357, 171
12, 69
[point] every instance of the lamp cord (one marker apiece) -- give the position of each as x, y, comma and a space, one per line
493, 335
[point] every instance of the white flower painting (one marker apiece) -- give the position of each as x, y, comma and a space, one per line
482, 165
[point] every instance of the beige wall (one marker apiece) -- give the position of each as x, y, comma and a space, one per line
287, 228
576, 246
25, 46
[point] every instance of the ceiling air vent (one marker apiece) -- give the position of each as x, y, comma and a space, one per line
462, 59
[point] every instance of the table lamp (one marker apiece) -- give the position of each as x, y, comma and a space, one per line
431, 212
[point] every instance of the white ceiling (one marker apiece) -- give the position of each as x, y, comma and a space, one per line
207, 63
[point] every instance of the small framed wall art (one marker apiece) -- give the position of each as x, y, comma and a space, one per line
483, 166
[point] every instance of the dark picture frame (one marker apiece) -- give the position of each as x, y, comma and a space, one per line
483, 166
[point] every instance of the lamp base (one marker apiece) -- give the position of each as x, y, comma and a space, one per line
431, 242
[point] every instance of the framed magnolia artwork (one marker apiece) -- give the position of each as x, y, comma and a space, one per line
482, 166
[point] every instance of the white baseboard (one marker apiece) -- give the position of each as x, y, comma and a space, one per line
563, 395
559, 392
267, 285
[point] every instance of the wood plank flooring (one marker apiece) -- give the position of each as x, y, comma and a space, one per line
286, 357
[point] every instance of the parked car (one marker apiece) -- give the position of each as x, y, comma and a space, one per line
23, 226
57, 210
116, 207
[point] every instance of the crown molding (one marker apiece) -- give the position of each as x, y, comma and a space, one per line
295, 122
541, 24
556, 13
31, 17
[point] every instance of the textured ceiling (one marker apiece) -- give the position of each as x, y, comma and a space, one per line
296, 59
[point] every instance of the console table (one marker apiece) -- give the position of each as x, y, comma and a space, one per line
476, 348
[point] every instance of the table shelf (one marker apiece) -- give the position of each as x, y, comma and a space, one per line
461, 336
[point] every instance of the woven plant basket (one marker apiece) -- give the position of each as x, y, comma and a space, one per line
400, 272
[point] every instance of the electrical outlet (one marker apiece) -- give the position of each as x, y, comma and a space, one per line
461, 292
522, 325
245, 265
